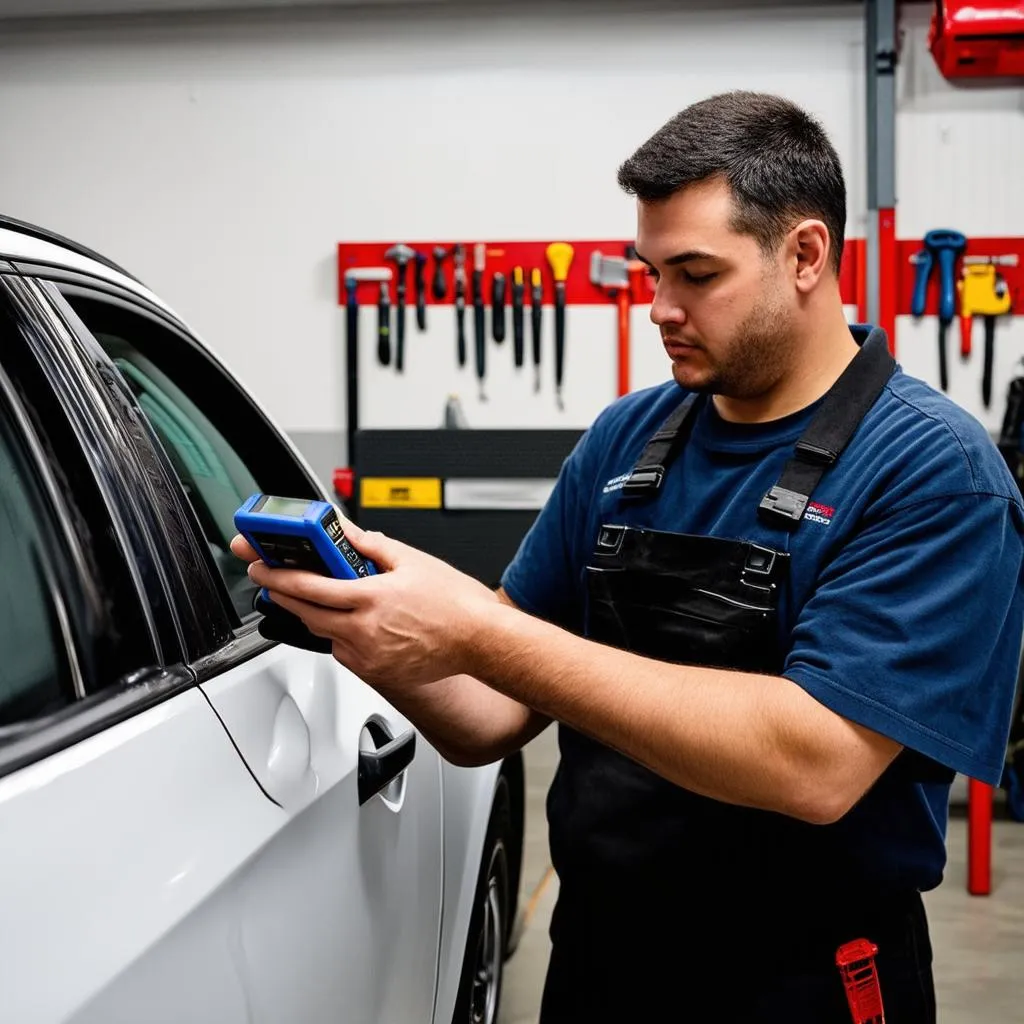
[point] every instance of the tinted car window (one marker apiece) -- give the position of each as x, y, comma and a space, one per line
35, 675
215, 440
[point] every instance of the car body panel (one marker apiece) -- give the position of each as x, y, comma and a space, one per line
371, 873
110, 846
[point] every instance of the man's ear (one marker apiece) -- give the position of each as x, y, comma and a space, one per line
810, 249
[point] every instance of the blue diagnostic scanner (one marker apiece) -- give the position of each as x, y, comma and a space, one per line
297, 533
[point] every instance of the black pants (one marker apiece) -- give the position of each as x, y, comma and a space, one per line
609, 967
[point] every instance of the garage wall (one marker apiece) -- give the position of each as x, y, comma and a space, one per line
959, 150
221, 157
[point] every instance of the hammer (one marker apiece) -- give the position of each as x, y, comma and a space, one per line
400, 254
611, 274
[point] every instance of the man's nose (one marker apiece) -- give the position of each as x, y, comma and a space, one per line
665, 309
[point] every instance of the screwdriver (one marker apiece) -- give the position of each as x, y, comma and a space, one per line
536, 296
384, 325
459, 279
518, 288
559, 256
480, 322
498, 306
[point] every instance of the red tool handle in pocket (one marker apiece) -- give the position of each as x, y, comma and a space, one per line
856, 963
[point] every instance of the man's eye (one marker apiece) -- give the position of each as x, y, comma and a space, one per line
699, 278
652, 273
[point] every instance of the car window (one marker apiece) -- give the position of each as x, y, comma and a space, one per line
209, 431
35, 667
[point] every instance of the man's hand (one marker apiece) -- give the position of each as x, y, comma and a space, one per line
413, 623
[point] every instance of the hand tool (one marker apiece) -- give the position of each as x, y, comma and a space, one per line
518, 288
536, 297
941, 246
459, 285
984, 293
438, 285
384, 325
421, 290
609, 273
856, 963
400, 254
498, 306
352, 278
559, 256
479, 322
639, 293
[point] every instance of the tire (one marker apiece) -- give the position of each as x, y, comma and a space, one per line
483, 962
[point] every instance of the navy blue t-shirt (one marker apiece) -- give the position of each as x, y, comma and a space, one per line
905, 607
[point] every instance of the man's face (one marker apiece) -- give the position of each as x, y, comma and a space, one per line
724, 312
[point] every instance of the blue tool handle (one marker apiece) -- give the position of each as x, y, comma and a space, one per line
924, 269
947, 285
946, 245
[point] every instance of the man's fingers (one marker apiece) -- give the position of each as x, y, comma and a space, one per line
385, 552
242, 549
314, 589
318, 620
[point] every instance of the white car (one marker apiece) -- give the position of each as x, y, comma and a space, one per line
196, 823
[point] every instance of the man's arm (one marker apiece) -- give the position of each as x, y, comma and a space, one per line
755, 740
429, 638
468, 722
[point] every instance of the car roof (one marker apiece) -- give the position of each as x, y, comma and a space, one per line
23, 242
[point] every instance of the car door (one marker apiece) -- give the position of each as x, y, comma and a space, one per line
123, 804
338, 915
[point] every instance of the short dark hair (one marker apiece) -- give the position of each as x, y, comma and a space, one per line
777, 160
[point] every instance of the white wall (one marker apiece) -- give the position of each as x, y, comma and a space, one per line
222, 157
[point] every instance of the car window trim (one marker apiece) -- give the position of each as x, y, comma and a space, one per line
89, 348
58, 365
30, 742
236, 650
44, 271
44, 479
247, 643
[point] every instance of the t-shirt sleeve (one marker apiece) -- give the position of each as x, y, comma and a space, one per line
544, 576
914, 630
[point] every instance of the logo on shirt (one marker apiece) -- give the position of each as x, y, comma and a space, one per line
616, 483
818, 513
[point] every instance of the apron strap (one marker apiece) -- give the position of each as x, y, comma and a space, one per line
645, 479
829, 432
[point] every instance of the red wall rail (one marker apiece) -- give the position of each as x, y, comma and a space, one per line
506, 255
579, 290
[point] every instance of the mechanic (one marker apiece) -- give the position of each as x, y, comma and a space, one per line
773, 604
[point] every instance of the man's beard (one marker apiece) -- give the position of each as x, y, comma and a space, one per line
754, 360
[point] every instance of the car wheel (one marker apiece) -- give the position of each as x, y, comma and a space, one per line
484, 960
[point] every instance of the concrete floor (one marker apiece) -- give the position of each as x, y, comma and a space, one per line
978, 941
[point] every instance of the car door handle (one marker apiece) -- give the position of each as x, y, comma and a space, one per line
379, 767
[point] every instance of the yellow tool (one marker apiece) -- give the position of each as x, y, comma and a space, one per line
559, 256
983, 292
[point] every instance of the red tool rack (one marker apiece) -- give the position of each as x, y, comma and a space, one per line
579, 290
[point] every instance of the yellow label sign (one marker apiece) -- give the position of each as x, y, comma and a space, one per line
404, 492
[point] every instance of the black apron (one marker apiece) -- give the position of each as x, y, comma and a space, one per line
674, 906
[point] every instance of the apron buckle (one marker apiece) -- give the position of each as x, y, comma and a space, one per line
644, 481
782, 507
